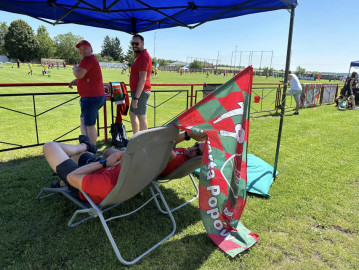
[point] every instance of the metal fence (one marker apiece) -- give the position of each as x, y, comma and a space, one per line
55, 115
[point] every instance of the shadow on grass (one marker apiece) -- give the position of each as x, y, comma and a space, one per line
36, 233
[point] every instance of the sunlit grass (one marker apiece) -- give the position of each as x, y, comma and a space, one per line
310, 221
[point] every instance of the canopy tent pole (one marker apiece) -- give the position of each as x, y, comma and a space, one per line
284, 93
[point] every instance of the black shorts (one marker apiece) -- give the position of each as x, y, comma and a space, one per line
63, 170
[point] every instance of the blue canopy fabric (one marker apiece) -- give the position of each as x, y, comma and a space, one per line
354, 64
136, 16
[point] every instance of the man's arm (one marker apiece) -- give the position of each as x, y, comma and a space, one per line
140, 85
196, 136
75, 178
79, 72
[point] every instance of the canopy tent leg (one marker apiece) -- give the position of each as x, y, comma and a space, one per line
284, 93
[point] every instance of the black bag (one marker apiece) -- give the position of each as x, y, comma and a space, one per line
119, 137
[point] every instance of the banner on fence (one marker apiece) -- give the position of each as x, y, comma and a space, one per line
224, 116
328, 93
310, 94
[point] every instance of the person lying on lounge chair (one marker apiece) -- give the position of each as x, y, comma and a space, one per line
81, 170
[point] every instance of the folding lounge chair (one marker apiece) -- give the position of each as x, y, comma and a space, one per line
182, 171
145, 158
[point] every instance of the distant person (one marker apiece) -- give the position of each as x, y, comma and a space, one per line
30, 67
349, 91
295, 90
156, 73
90, 88
58, 65
18, 62
140, 84
44, 69
64, 64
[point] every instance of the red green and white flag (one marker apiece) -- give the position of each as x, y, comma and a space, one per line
224, 116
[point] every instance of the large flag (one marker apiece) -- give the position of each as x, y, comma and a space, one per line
224, 116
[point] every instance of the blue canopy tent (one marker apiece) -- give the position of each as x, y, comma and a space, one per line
136, 16
353, 64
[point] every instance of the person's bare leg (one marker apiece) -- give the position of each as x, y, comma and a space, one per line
143, 122
134, 122
297, 102
83, 127
56, 153
92, 133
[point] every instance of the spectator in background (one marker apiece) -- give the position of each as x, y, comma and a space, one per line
18, 62
90, 88
295, 90
140, 84
348, 91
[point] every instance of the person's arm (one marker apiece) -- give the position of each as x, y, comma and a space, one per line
72, 83
75, 178
140, 86
196, 136
79, 72
351, 86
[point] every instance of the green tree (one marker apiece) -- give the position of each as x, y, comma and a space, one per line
46, 44
20, 41
65, 45
130, 55
3, 30
112, 47
300, 70
154, 61
117, 54
163, 62
106, 46
196, 64
268, 70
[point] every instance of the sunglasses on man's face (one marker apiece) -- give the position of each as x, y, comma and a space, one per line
135, 43
198, 151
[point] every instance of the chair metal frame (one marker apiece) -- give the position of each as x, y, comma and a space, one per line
131, 181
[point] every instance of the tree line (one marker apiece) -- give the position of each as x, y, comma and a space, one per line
18, 40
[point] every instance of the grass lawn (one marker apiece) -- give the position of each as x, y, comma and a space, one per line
310, 221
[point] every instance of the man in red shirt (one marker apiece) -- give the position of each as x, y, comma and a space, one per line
90, 88
140, 84
80, 170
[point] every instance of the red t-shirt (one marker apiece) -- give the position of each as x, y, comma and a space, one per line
91, 85
178, 161
99, 184
142, 62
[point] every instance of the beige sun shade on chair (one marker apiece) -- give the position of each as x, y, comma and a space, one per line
145, 158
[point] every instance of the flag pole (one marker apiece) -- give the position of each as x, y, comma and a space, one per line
284, 93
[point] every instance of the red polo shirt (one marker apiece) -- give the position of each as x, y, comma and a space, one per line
178, 161
142, 62
91, 85
99, 184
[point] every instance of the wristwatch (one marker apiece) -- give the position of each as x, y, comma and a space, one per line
135, 98
103, 162
186, 136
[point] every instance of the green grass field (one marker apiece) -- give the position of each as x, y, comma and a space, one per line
310, 221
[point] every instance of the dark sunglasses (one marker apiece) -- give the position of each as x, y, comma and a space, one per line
198, 151
135, 43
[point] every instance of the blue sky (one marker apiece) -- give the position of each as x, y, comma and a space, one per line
324, 38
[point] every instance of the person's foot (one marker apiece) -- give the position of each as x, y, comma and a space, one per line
86, 140
340, 108
296, 113
57, 184
355, 108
